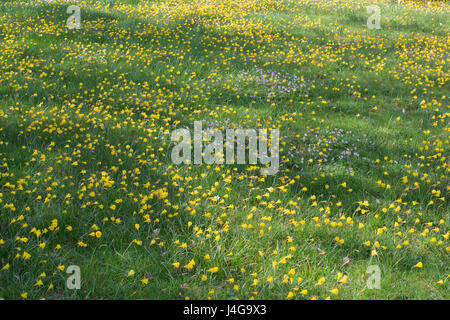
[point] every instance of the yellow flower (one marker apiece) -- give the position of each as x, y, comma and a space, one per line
82, 244
419, 265
190, 265
321, 281
214, 270
343, 279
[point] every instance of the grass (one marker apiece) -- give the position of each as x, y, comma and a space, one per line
86, 176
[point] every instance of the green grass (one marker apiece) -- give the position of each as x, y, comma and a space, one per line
92, 110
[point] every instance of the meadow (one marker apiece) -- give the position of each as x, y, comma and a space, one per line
86, 176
